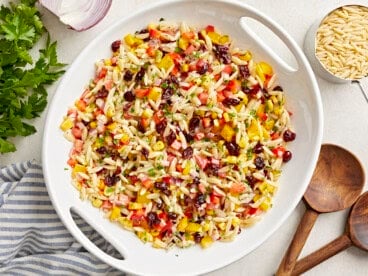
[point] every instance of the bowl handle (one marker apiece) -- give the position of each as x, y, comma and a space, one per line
281, 34
121, 264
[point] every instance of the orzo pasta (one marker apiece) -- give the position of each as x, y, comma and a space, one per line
180, 137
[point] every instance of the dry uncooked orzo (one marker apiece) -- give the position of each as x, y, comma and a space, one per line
342, 42
180, 137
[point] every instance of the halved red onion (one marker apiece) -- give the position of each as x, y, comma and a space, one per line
79, 15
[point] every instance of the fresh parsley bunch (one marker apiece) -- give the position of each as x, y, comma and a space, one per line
22, 80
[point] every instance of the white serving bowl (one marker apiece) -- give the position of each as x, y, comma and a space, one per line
303, 99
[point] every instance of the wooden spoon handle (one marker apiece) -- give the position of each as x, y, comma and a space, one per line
305, 226
322, 254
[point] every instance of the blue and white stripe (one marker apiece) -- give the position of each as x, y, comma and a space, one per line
33, 240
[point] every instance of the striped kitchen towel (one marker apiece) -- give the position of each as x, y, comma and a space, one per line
33, 240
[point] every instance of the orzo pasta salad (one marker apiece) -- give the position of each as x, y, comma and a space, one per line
180, 137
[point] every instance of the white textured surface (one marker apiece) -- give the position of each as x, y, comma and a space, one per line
346, 124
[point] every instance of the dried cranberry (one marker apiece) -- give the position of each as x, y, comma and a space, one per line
160, 127
233, 148
174, 79
196, 180
128, 76
129, 96
188, 153
101, 150
115, 45
200, 199
159, 205
188, 137
194, 123
258, 148
152, 219
197, 237
222, 53
278, 88
111, 180
170, 138
143, 31
102, 93
212, 169
140, 127
168, 92
202, 68
289, 135
231, 101
251, 180
140, 74
145, 152
172, 215
244, 71
286, 157
163, 187
259, 162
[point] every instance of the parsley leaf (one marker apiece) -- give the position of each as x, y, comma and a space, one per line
23, 95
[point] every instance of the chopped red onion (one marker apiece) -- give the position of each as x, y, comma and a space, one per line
79, 15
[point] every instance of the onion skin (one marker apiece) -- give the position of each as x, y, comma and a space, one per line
80, 15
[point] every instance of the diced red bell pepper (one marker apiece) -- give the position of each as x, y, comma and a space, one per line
237, 188
78, 145
220, 96
227, 69
141, 93
188, 35
151, 51
210, 28
206, 122
189, 50
167, 179
138, 219
278, 151
233, 85
203, 97
275, 135
176, 57
147, 183
71, 162
102, 73
77, 132
154, 33
199, 136
158, 116
214, 199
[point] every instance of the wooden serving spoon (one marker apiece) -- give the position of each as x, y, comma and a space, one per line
356, 233
336, 184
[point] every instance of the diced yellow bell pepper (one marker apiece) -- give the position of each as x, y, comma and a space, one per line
187, 168
231, 159
206, 241
265, 133
260, 110
155, 93
166, 63
193, 227
125, 222
110, 112
66, 124
183, 43
269, 105
111, 126
185, 67
266, 204
263, 69
183, 223
115, 213
227, 133
253, 131
142, 198
147, 113
218, 38
93, 124
134, 206
246, 57
132, 41
158, 56
226, 117
79, 168
242, 142
125, 139
269, 124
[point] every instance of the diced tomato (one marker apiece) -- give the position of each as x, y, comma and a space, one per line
189, 50
220, 96
71, 162
81, 105
167, 179
237, 188
179, 168
77, 132
153, 33
206, 122
227, 69
278, 151
199, 136
214, 199
102, 73
78, 145
275, 135
145, 122
147, 183
201, 161
233, 85
175, 71
163, 216
176, 57
251, 211
138, 220
188, 35
210, 28
158, 116
151, 51
106, 205
176, 145
108, 84
141, 93
203, 97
